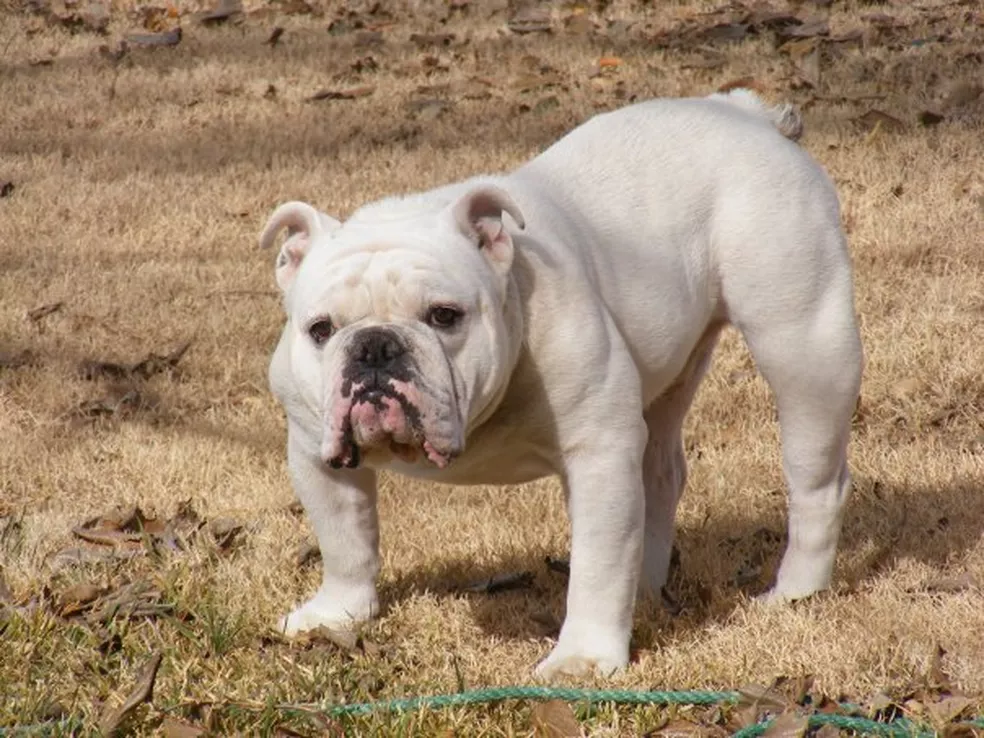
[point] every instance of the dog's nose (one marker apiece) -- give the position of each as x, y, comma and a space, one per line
377, 348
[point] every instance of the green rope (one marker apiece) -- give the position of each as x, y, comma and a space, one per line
900, 728
498, 694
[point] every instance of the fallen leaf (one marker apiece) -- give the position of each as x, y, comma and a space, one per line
787, 725
6, 188
761, 696
554, 719
726, 32
225, 10
78, 598
274, 38
877, 119
813, 27
742, 83
348, 641
350, 93
143, 369
174, 728
113, 719
119, 526
429, 40
609, 62
929, 118
501, 583
45, 310
224, 532
80, 556
949, 708
165, 38
134, 600
530, 20
766, 17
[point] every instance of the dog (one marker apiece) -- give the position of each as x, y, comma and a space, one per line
558, 319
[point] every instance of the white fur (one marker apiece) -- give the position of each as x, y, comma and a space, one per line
647, 230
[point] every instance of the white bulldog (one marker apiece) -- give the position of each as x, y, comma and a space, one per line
558, 320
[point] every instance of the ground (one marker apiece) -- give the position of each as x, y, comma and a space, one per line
139, 178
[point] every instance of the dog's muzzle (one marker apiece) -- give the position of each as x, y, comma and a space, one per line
378, 405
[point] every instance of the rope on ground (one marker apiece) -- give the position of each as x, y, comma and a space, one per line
899, 728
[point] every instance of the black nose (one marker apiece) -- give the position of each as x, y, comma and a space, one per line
377, 348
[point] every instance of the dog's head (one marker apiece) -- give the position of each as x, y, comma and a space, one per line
401, 332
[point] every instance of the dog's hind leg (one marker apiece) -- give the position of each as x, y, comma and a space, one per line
809, 351
664, 469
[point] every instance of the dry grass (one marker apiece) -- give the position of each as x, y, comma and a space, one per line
139, 190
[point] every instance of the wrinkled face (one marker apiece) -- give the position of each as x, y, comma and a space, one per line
397, 337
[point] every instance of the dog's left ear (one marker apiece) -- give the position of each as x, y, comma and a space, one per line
303, 223
479, 216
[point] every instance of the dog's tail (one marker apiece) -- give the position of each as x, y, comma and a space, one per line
785, 117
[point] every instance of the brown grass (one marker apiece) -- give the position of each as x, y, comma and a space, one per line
139, 190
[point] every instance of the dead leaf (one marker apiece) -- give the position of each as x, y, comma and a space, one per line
501, 583
350, 93
807, 29
530, 20
174, 728
609, 62
225, 10
742, 83
348, 641
554, 719
929, 118
143, 369
134, 600
78, 598
44, 311
122, 525
112, 720
6, 188
224, 532
761, 696
726, 32
787, 725
430, 40
876, 119
79, 556
274, 38
809, 67
165, 38
949, 708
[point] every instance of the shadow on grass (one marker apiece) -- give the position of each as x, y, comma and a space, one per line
885, 524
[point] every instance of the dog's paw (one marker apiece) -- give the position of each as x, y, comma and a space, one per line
580, 658
322, 611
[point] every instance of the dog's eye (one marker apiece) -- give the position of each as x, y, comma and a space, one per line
442, 316
320, 331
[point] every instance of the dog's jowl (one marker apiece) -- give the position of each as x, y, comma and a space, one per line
434, 334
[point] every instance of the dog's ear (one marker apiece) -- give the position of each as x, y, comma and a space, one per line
479, 216
303, 223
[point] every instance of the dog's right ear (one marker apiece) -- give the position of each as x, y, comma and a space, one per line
303, 223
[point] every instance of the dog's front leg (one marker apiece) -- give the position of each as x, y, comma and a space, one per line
606, 505
341, 505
